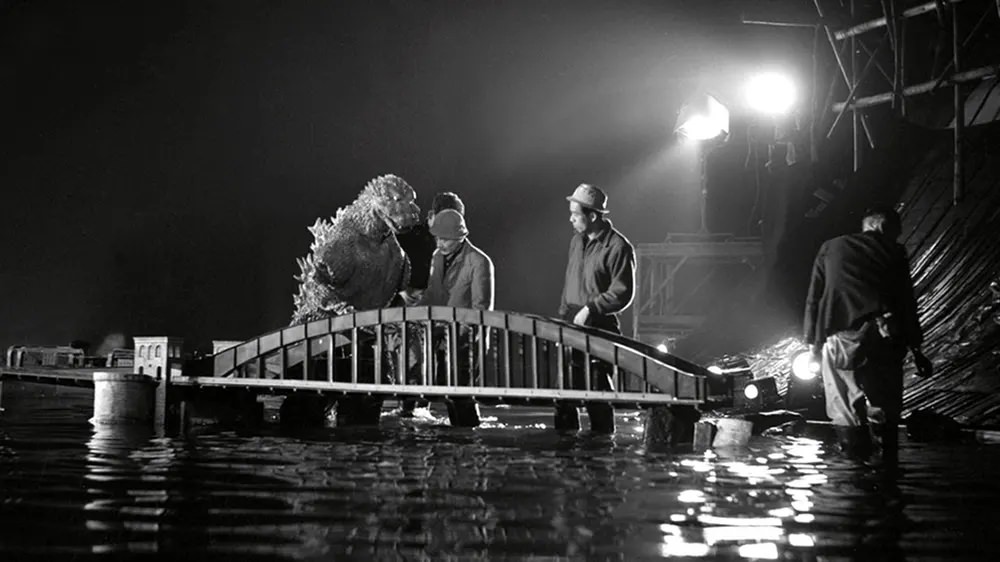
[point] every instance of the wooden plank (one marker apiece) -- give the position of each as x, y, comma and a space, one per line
246, 351
367, 318
343, 323
293, 334
390, 315
521, 324
495, 319
269, 342
318, 327
224, 362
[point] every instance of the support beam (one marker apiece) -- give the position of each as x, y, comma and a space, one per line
924, 87
843, 69
956, 51
772, 23
881, 22
854, 89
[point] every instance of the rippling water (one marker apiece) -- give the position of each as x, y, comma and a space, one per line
421, 490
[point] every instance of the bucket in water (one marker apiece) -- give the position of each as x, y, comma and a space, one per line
732, 432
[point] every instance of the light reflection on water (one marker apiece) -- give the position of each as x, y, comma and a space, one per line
418, 489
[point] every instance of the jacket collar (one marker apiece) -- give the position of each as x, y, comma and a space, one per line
602, 234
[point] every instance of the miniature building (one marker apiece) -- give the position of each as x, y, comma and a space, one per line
45, 356
153, 355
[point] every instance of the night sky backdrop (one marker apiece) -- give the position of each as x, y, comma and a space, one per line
162, 160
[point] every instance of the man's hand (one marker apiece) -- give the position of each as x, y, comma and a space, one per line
817, 354
925, 368
582, 316
411, 297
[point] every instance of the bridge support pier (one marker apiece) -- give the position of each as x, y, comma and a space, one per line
602, 417
670, 425
304, 410
228, 407
123, 398
567, 417
358, 410
463, 412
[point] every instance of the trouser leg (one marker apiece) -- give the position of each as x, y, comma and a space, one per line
601, 414
845, 400
882, 383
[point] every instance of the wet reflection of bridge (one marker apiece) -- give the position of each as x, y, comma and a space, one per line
486, 356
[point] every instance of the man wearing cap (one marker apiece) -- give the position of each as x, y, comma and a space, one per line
461, 276
600, 280
419, 245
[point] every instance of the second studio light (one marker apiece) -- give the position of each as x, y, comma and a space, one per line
771, 93
702, 119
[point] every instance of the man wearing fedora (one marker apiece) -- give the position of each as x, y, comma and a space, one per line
600, 281
461, 276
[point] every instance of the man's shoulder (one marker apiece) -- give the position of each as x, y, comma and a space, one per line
476, 255
618, 240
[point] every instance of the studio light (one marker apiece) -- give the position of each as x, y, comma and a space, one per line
771, 93
805, 387
703, 119
758, 394
804, 366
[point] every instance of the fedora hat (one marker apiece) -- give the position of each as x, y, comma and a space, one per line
591, 197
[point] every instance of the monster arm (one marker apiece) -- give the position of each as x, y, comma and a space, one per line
332, 275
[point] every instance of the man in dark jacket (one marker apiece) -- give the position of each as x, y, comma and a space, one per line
418, 244
600, 281
860, 318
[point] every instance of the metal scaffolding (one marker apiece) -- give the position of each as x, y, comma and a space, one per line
666, 308
875, 53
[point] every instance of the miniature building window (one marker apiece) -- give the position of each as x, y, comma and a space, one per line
159, 350
142, 351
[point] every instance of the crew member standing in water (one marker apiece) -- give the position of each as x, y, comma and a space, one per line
599, 283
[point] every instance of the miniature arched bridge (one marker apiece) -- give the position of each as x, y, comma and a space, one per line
486, 355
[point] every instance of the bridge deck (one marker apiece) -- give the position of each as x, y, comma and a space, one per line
85, 378
57, 375
433, 391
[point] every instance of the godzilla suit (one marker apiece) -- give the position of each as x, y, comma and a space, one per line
355, 262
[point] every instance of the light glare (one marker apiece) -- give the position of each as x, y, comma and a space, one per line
771, 93
804, 367
751, 391
704, 121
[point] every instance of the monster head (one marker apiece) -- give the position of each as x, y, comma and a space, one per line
393, 201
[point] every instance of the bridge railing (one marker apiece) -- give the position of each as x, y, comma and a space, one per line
469, 351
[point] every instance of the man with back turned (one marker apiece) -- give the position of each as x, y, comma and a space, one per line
860, 319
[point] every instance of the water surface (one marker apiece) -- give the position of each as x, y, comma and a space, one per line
417, 489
